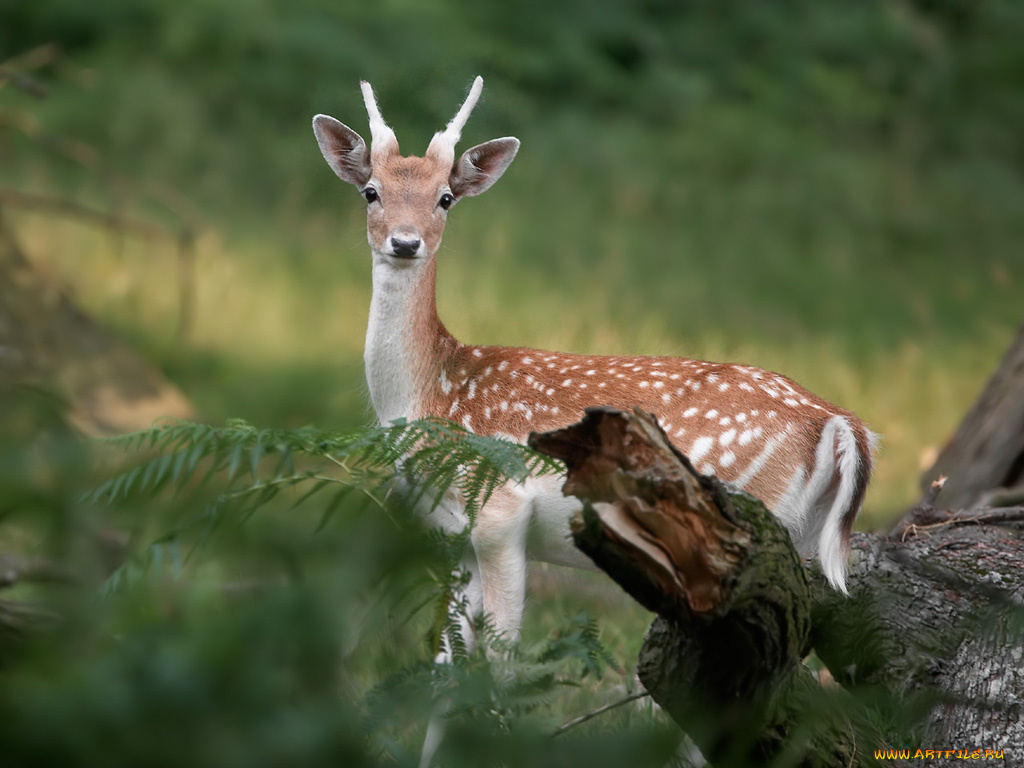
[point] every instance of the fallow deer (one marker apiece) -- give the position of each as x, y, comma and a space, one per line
807, 459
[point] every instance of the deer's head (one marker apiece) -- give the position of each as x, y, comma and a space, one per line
408, 198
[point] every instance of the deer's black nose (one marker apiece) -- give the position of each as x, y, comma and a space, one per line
405, 249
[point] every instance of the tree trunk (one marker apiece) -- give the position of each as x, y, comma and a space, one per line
928, 645
46, 342
984, 462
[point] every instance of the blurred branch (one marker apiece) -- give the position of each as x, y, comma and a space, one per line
89, 157
599, 711
44, 203
17, 619
10, 70
14, 569
34, 58
23, 82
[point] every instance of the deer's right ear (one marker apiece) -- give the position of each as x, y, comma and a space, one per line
343, 149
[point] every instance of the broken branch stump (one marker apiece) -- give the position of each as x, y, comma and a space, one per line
733, 600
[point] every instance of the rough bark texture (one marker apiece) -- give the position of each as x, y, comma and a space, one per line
935, 618
987, 451
47, 342
723, 658
929, 645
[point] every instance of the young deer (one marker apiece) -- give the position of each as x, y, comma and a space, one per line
807, 459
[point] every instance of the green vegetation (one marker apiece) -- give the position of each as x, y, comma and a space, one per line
834, 190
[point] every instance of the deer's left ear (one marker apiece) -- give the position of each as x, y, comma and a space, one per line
481, 166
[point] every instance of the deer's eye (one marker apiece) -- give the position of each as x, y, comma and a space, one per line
446, 200
370, 194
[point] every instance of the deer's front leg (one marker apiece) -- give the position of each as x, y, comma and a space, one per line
499, 540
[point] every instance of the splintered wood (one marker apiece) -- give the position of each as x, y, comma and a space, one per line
657, 518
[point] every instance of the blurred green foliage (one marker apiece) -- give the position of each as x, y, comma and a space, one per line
241, 627
216, 94
831, 188
771, 148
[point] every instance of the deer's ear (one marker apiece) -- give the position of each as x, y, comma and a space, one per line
343, 149
481, 166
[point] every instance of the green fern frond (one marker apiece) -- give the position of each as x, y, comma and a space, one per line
253, 466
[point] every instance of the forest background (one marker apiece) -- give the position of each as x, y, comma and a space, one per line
831, 190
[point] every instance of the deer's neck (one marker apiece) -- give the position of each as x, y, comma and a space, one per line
406, 344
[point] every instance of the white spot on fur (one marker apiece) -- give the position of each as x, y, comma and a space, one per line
689, 412
665, 398
711, 414
723, 386
644, 384
446, 386
725, 421
455, 407
700, 448
727, 437
741, 417
472, 389
727, 459
503, 365
746, 387
477, 353
467, 422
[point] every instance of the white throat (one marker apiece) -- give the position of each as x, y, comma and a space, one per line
391, 338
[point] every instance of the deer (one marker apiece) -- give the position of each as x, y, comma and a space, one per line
808, 460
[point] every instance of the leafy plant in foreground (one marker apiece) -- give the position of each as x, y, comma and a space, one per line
252, 467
